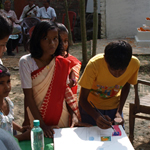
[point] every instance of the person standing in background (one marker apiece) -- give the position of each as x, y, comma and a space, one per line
29, 10
10, 14
13, 39
47, 12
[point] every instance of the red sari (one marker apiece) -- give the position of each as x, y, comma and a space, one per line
49, 85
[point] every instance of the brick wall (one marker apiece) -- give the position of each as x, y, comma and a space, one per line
58, 5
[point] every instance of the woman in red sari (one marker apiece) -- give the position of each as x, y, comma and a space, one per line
44, 79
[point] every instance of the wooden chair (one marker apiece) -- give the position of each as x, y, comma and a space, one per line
140, 105
72, 19
26, 24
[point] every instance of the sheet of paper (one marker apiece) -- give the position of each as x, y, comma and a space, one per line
89, 138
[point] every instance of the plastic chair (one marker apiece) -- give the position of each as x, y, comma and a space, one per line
72, 19
140, 105
31, 30
26, 24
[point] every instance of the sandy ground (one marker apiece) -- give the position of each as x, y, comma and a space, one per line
142, 127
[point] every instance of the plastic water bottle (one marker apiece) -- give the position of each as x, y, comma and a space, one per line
37, 136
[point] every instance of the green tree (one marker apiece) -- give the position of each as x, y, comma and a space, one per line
83, 32
95, 27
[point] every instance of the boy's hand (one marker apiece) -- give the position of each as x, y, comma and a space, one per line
102, 123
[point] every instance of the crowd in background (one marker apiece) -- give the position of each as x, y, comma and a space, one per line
30, 10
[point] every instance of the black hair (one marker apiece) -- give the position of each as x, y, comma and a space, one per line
5, 27
118, 54
62, 28
4, 71
48, 1
39, 32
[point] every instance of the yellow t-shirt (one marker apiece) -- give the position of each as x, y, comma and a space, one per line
105, 88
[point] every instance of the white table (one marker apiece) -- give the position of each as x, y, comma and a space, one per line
79, 138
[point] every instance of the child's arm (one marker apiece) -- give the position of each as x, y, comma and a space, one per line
123, 97
74, 119
23, 136
19, 128
72, 79
72, 106
29, 101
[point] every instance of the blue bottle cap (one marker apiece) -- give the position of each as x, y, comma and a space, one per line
36, 122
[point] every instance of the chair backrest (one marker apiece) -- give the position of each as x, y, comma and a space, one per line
72, 19
31, 30
29, 22
26, 25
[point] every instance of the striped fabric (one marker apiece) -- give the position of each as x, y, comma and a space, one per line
72, 102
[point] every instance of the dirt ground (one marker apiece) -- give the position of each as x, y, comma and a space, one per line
142, 127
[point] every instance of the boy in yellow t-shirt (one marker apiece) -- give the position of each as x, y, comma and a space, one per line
106, 83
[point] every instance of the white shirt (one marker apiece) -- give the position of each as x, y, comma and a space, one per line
11, 14
30, 13
27, 65
50, 13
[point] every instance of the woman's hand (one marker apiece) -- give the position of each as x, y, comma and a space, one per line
48, 130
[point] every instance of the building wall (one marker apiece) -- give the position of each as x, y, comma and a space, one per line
124, 16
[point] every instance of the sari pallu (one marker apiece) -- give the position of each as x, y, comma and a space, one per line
75, 65
49, 85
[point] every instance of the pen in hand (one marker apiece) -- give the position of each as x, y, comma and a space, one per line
103, 117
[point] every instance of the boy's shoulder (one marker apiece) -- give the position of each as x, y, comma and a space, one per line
97, 57
97, 61
135, 61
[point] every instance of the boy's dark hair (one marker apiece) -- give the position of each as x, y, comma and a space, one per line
4, 71
39, 32
5, 27
62, 28
118, 54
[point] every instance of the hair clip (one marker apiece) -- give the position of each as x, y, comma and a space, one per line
1, 71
